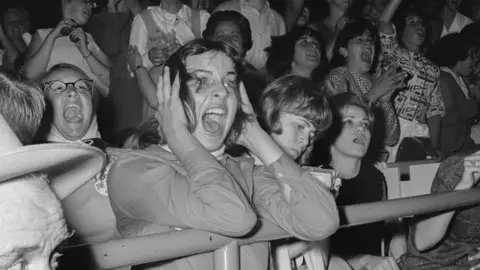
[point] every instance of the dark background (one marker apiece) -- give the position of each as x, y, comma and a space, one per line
46, 13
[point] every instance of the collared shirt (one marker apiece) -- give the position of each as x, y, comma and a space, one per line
216, 196
459, 22
264, 25
422, 99
178, 26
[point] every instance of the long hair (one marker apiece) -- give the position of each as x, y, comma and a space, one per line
148, 133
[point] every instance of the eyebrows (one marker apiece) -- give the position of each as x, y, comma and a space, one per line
355, 117
208, 72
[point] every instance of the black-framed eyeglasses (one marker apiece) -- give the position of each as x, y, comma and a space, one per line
81, 85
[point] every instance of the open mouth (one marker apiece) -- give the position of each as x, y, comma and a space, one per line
87, 13
72, 113
312, 56
214, 120
359, 140
367, 55
420, 33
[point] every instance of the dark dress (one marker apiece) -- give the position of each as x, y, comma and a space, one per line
462, 236
367, 186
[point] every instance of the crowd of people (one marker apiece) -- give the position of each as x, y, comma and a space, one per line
151, 117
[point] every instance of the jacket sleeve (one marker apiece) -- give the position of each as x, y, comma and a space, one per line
296, 201
209, 199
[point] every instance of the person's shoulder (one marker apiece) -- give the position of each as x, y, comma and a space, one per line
369, 170
228, 5
44, 32
449, 173
128, 159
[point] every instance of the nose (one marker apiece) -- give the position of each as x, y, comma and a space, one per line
220, 91
71, 92
360, 128
304, 139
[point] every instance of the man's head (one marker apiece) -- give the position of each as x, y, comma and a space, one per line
21, 104
31, 224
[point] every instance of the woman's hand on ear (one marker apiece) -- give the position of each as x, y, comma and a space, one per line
170, 113
251, 122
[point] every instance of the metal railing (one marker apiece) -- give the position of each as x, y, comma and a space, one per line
159, 247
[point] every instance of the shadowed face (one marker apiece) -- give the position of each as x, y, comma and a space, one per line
78, 10
31, 225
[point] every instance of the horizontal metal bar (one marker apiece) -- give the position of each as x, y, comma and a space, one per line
159, 247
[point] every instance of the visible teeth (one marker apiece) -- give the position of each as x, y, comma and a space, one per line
218, 111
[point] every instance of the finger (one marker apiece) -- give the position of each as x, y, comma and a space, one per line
246, 104
176, 87
159, 92
243, 93
392, 264
167, 85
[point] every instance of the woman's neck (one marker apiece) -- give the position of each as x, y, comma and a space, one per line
171, 7
346, 167
333, 16
301, 71
413, 48
356, 69
257, 4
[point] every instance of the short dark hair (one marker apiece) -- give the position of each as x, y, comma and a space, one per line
298, 96
234, 17
148, 134
281, 53
400, 20
354, 29
21, 104
450, 49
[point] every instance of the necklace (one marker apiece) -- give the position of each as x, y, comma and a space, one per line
173, 30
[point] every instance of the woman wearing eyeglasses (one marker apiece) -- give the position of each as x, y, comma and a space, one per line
68, 43
71, 94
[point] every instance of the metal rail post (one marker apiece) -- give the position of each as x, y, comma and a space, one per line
228, 257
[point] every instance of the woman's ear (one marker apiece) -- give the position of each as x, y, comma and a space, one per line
343, 52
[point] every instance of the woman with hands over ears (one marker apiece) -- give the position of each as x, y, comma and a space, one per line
68, 43
449, 240
182, 178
